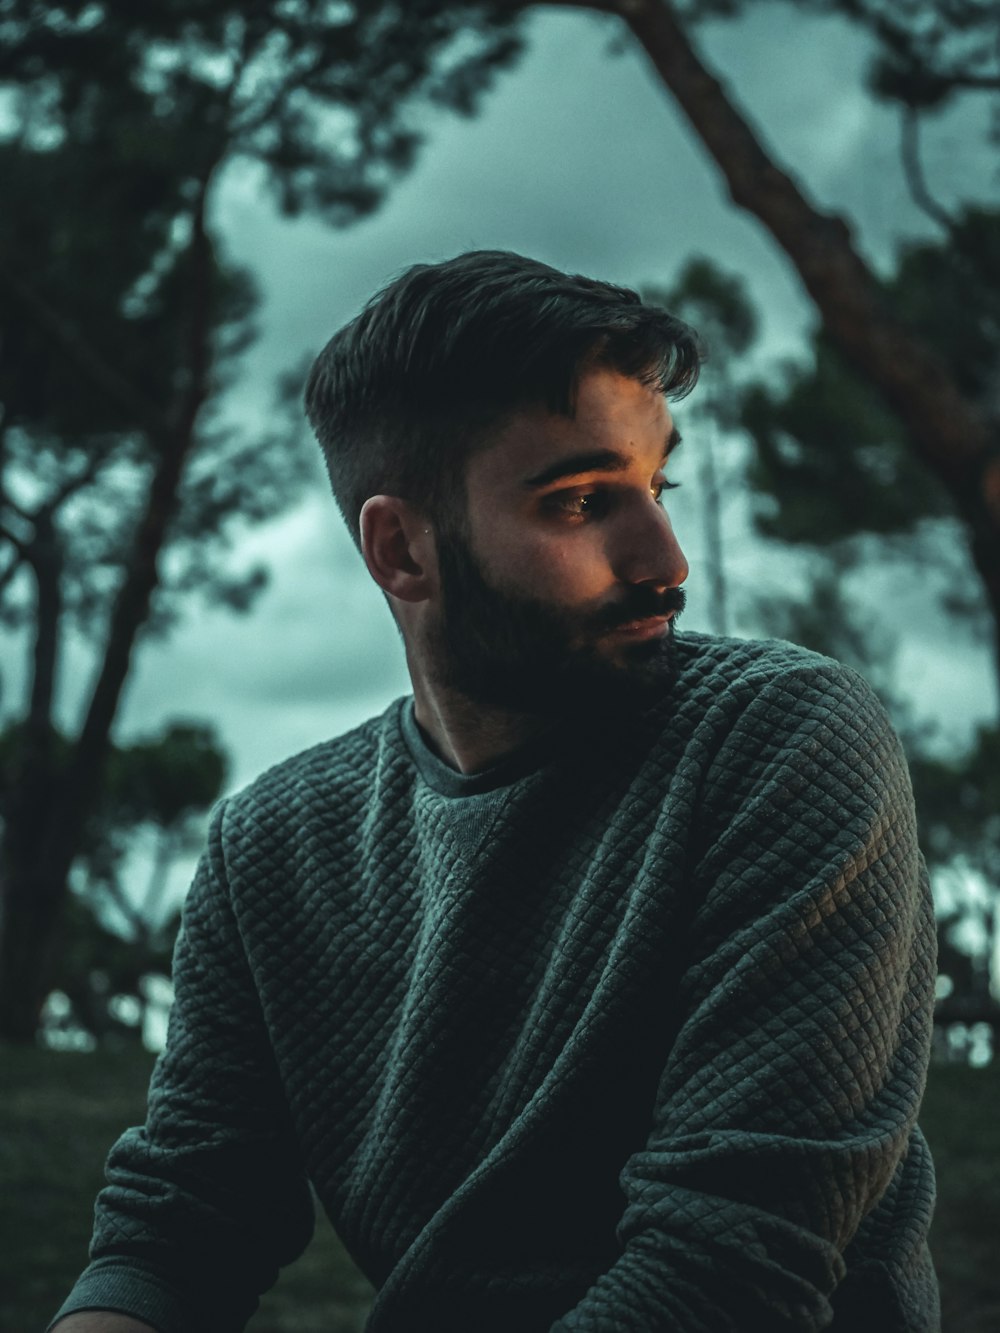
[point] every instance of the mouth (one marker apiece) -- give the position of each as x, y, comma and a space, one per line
648, 627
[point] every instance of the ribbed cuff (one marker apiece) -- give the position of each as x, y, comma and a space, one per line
127, 1288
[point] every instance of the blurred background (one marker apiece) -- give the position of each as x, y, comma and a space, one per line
194, 196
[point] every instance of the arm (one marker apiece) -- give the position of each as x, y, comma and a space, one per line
787, 1106
208, 1198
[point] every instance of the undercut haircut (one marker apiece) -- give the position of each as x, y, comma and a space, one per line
443, 356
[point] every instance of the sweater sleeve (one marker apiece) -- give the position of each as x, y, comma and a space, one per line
208, 1199
788, 1103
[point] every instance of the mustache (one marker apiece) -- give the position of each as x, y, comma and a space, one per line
639, 603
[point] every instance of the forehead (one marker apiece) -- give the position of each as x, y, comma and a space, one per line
613, 414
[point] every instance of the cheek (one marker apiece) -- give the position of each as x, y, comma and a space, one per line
556, 569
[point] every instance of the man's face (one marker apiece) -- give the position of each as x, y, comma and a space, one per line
564, 591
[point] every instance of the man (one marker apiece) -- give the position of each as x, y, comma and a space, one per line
590, 989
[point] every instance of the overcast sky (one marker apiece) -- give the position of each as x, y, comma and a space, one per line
578, 157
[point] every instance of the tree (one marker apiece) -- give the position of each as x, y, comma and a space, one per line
834, 475
316, 95
950, 433
957, 794
929, 53
928, 405
832, 479
718, 306
823, 438
958, 805
832, 470
155, 795
161, 786
119, 489
153, 800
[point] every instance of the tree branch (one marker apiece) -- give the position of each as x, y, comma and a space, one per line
21, 547
973, 82
47, 562
137, 924
8, 572
914, 172
949, 433
297, 79
78, 481
82, 354
8, 502
131, 607
155, 889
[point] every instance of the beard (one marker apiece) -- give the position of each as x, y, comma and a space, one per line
502, 649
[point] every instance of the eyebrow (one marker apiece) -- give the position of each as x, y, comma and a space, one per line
599, 460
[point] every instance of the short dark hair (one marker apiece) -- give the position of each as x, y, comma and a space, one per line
446, 353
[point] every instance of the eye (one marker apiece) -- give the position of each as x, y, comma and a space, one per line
660, 485
580, 504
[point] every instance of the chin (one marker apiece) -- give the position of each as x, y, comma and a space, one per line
594, 683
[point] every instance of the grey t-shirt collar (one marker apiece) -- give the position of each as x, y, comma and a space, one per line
526, 759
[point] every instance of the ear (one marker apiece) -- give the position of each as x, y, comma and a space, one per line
397, 542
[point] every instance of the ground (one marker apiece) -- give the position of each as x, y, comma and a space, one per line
60, 1113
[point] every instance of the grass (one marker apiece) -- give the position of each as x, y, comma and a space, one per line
60, 1113
960, 1120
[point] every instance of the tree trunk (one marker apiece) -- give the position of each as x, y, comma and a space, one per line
949, 434
48, 813
33, 796
986, 557
25, 956
33, 896
711, 503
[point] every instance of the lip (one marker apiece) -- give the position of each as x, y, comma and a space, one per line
649, 627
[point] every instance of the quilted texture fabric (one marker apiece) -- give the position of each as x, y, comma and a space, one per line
629, 1034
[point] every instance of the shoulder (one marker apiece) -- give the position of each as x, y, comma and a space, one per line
766, 706
755, 698
323, 784
715, 660
712, 669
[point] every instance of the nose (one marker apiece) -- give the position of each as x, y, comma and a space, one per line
650, 552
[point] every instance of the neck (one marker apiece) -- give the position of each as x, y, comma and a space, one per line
466, 735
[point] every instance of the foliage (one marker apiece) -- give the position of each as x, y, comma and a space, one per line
101, 983
950, 292
828, 445
718, 306
164, 779
833, 479
318, 94
76, 463
832, 467
121, 487
963, 792
929, 51
153, 802
162, 785
120, 493
824, 616
120, 117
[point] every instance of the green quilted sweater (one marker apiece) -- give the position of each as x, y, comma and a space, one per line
628, 1033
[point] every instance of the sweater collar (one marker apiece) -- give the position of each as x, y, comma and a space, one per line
448, 781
